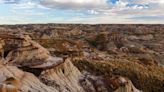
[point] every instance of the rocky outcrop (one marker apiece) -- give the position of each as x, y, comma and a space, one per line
20, 50
13, 79
64, 77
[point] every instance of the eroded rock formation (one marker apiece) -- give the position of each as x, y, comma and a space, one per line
20, 50
26, 66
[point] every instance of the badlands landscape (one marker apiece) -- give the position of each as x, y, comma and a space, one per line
81, 58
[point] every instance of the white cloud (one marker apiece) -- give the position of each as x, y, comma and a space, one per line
104, 19
144, 1
27, 13
100, 11
9, 1
93, 12
28, 5
142, 7
75, 4
119, 6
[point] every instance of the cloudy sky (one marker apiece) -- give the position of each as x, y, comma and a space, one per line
81, 11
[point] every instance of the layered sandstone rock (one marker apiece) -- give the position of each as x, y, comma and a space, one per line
13, 79
20, 50
64, 77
